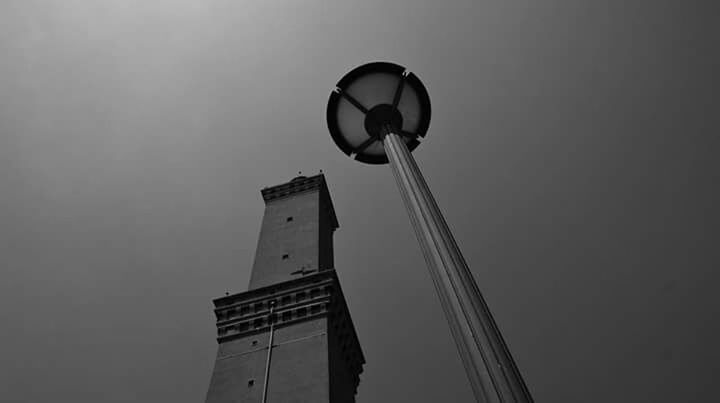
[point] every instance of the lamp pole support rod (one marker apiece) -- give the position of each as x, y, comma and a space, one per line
491, 371
269, 353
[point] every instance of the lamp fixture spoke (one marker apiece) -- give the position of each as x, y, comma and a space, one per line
353, 101
398, 91
365, 144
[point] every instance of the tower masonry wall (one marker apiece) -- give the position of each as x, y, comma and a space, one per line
298, 371
285, 247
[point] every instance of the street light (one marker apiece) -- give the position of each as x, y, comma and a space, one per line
376, 115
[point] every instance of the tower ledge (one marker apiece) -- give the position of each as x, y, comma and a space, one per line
309, 297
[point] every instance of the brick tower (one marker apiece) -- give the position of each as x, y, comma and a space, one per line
289, 338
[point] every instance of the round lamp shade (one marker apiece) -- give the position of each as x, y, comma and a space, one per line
371, 99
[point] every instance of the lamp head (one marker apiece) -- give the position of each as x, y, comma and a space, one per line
371, 100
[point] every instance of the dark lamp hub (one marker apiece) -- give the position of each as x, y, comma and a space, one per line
381, 116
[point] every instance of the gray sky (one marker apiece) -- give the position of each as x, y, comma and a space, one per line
570, 148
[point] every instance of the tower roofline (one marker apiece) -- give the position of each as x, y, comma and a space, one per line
302, 184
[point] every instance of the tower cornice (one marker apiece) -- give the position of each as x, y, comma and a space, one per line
317, 295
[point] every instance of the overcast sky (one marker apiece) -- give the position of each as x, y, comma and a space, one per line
571, 148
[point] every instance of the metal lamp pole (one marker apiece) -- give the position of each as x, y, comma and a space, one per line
490, 369
376, 114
